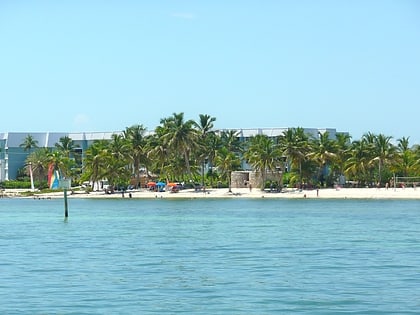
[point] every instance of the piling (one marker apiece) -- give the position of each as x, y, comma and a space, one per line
66, 207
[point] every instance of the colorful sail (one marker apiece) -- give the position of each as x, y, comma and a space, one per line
53, 177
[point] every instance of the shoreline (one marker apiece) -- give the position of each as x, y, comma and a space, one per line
324, 193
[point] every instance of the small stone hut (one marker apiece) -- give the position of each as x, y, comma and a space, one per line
242, 179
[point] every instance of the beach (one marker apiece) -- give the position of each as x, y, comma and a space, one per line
325, 193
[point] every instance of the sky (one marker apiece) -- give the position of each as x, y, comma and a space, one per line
97, 66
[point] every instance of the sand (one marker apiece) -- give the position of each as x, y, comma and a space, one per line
327, 193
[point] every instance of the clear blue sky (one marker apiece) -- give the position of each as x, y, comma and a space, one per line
105, 65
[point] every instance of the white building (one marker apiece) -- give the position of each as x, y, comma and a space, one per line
13, 156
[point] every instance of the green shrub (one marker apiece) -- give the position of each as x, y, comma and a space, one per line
15, 184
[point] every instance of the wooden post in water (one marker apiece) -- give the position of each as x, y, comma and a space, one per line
66, 208
65, 184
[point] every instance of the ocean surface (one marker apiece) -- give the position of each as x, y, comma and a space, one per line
202, 256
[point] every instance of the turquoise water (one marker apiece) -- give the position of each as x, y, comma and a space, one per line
235, 256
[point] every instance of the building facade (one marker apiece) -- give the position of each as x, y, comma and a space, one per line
13, 156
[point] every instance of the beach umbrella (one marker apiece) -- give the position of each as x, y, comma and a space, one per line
151, 184
172, 184
160, 185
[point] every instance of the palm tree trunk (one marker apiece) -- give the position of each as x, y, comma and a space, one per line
300, 174
380, 170
137, 172
202, 174
187, 163
211, 173
263, 179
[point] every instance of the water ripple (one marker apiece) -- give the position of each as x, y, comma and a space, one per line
212, 257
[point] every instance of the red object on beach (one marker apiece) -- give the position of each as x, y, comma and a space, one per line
151, 184
172, 184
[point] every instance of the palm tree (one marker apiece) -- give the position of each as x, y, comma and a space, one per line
342, 146
213, 145
67, 146
322, 151
358, 163
294, 146
405, 161
205, 131
231, 141
205, 124
174, 168
263, 155
58, 161
95, 161
180, 137
384, 153
29, 143
226, 162
158, 153
39, 161
115, 171
416, 151
118, 147
137, 152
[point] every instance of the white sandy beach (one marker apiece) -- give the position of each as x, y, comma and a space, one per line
327, 193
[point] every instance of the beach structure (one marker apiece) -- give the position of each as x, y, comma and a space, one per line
13, 156
249, 179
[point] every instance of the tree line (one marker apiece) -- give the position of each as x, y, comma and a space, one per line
193, 151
